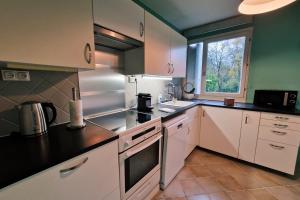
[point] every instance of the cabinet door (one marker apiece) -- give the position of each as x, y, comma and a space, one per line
124, 16
157, 46
249, 135
97, 177
50, 33
193, 130
178, 54
220, 130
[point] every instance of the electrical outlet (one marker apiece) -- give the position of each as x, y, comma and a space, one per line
23, 76
9, 75
12, 75
131, 79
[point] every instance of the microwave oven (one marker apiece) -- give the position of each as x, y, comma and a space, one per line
276, 98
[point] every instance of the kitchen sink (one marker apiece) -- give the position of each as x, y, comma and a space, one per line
178, 103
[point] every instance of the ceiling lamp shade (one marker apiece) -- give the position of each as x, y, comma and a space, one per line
252, 7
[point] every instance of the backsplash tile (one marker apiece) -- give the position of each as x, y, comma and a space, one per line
45, 86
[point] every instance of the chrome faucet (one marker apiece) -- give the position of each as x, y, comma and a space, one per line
172, 91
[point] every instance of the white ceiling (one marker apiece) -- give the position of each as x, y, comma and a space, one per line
185, 14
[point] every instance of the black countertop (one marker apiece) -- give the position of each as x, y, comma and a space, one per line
196, 102
22, 157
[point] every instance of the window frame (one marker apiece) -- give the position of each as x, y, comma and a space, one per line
241, 96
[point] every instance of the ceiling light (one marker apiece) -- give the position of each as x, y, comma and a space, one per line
252, 7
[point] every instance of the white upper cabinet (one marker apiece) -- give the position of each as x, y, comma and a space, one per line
165, 49
249, 134
220, 130
178, 54
123, 16
157, 46
48, 33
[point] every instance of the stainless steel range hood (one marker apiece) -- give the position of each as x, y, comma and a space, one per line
111, 39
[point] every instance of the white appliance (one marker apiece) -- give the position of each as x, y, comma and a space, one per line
175, 133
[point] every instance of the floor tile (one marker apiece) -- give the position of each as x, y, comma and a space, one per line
283, 193
174, 189
219, 196
199, 197
192, 187
210, 184
241, 195
252, 181
229, 183
262, 194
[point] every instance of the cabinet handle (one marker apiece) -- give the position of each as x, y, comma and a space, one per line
281, 125
203, 113
141, 29
179, 126
246, 120
188, 131
276, 147
281, 118
88, 53
279, 133
169, 68
70, 169
172, 67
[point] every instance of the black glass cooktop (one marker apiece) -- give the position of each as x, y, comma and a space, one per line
122, 121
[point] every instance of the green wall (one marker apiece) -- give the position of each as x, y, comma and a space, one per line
275, 54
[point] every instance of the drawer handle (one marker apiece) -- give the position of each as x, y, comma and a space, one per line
179, 126
281, 118
279, 133
70, 169
276, 147
281, 125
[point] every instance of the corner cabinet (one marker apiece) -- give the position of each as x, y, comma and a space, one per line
47, 33
220, 130
123, 16
93, 175
165, 49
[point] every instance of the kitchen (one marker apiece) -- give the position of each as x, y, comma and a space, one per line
149, 99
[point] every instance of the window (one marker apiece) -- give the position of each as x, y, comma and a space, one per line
221, 64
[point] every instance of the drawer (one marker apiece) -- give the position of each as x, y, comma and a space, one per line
281, 117
279, 135
280, 124
278, 156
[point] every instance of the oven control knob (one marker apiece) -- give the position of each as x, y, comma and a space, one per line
127, 143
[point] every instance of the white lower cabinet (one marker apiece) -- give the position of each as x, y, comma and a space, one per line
249, 134
96, 177
220, 130
278, 156
193, 130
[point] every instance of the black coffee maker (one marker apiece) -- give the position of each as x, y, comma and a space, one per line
144, 102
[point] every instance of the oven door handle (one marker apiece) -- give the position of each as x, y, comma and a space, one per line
132, 152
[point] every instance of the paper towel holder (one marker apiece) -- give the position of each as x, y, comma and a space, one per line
70, 125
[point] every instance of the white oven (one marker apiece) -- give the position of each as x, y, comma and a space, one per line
140, 166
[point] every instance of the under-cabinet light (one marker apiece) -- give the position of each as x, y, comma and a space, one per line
157, 77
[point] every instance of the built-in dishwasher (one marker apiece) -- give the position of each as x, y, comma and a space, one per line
174, 144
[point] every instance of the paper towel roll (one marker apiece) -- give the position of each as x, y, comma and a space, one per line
76, 116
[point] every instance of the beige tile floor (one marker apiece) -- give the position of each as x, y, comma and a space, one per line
211, 176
